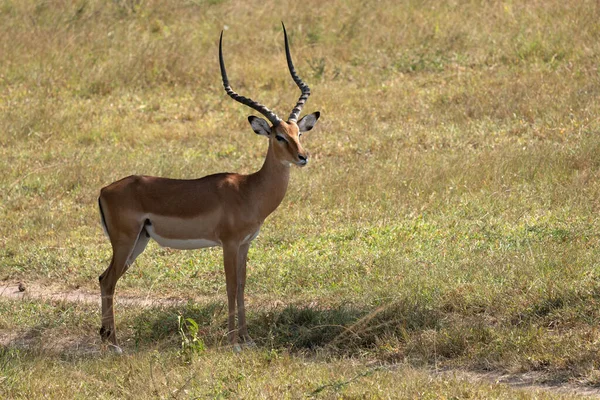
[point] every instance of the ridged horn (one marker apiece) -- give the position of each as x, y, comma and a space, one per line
271, 116
303, 86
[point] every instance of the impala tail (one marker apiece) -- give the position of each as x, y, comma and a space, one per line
102, 218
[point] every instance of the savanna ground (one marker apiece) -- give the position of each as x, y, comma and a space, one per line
447, 220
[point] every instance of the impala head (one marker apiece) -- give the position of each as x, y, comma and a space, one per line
284, 135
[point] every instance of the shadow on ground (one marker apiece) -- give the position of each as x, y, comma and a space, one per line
343, 328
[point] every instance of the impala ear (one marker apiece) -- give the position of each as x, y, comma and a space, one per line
259, 125
308, 121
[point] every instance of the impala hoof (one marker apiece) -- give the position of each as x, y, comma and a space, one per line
115, 349
237, 348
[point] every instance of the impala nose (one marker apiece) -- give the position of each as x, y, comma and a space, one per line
303, 159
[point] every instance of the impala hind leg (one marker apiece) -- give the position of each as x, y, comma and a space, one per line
124, 254
108, 280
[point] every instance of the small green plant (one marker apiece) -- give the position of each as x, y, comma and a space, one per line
190, 342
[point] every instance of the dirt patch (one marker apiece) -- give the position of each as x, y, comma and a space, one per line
32, 291
535, 381
63, 345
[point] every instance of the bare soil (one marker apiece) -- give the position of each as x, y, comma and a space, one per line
532, 380
35, 291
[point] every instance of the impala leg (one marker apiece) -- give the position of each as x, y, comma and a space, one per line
241, 285
108, 280
230, 261
123, 256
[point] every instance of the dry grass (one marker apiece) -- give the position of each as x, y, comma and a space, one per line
448, 216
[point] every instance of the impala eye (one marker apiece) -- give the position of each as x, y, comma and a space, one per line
280, 138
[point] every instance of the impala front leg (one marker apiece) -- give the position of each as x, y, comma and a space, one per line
241, 286
230, 260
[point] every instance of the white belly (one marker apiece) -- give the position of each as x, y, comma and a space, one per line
181, 244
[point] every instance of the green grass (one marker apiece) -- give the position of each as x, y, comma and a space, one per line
447, 219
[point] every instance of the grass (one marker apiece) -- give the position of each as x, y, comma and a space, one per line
447, 218
254, 374
60, 358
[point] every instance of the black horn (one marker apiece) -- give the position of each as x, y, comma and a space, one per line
271, 116
303, 86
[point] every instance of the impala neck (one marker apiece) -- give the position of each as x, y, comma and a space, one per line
271, 182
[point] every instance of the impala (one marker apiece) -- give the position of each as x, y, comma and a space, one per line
225, 209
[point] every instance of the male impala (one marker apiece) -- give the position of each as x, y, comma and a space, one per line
225, 209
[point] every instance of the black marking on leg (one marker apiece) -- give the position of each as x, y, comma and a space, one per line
104, 333
147, 223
